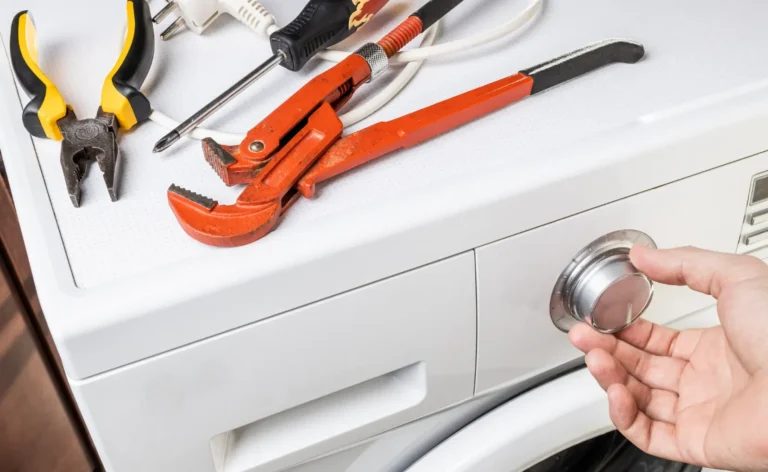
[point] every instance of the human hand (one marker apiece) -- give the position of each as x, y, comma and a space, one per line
696, 396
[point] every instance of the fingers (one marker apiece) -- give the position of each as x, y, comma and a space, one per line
653, 437
658, 404
654, 371
660, 340
704, 271
650, 337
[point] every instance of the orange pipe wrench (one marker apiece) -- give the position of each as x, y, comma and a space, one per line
300, 144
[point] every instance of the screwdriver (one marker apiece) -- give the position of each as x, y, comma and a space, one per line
321, 24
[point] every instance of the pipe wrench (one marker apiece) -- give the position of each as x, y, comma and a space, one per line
300, 144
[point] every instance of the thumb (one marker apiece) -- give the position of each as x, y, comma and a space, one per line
705, 271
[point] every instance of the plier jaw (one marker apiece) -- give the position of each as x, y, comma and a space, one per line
84, 141
308, 148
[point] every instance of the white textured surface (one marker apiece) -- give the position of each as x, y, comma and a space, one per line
107, 242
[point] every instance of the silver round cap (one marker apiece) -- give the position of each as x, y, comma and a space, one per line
601, 287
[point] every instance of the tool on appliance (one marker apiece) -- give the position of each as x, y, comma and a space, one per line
413, 58
321, 24
123, 106
198, 15
335, 86
300, 144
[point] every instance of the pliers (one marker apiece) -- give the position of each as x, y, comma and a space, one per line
122, 106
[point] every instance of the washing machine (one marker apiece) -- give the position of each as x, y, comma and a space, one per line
409, 317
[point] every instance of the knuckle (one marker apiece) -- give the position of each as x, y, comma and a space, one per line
748, 267
754, 263
640, 368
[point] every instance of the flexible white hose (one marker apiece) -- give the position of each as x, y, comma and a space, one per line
460, 45
415, 59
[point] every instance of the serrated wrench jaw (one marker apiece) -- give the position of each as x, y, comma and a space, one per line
229, 164
213, 224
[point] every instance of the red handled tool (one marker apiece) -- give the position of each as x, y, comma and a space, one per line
320, 25
288, 153
276, 133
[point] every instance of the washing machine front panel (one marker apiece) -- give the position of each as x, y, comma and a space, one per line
277, 393
516, 276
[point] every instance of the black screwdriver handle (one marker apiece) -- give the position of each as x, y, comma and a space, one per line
320, 25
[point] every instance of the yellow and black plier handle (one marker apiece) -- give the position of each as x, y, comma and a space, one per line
120, 93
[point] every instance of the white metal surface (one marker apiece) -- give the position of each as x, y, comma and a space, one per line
535, 425
121, 282
515, 282
297, 386
425, 316
526, 430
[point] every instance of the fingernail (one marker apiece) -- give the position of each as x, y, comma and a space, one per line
638, 253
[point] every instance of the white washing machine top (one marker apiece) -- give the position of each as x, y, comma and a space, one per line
126, 271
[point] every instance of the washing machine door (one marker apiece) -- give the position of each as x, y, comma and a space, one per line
538, 424
525, 430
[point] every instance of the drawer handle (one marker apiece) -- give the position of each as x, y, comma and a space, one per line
310, 424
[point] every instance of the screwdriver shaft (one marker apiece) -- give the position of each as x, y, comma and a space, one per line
218, 102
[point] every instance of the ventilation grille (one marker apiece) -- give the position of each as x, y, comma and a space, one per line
754, 230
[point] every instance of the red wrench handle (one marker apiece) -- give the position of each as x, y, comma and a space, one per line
334, 86
382, 138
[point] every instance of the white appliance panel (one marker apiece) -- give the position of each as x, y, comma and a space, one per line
285, 390
516, 337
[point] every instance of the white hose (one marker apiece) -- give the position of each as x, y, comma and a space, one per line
389, 92
460, 45
415, 59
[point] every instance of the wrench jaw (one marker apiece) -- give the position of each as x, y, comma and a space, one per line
265, 142
232, 167
218, 225
267, 196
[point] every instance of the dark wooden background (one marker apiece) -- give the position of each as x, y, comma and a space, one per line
41, 429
